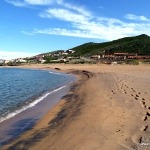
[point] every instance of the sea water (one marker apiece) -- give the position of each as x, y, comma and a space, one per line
21, 89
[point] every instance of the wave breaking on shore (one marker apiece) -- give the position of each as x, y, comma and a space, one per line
29, 105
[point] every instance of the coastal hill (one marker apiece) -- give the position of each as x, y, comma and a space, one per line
138, 44
137, 47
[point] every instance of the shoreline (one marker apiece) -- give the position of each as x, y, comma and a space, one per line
39, 98
55, 113
103, 110
31, 113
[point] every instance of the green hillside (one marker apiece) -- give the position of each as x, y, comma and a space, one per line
138, 44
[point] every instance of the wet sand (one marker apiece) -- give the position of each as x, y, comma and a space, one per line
108, 108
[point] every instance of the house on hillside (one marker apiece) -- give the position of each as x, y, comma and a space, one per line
39, 59
65, 53
2, 61
120, 55
59, 61
6, 61
138, 57
97, 57
20, 60
70, 51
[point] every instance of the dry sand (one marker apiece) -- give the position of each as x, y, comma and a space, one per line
108, 108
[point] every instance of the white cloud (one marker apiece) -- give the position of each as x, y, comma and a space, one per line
78, 9
66, 15
39, 2
137, 18
100, 28
7, 55
24, 3
88, 26
60, 31
27, 33
16, 3
80, 22
94, 31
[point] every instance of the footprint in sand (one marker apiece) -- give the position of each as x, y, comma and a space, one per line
144, 118
148, 107
133, 89
112, 91
125, 92
148, 114
137, 138
144, 128
143, 104
132, 95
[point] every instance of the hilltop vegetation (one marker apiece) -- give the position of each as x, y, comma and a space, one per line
138, 44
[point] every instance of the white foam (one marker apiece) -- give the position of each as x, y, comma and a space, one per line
30, 105
55, 73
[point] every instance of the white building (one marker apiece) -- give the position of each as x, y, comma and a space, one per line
2, 61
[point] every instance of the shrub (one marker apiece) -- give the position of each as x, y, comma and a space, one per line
132, 62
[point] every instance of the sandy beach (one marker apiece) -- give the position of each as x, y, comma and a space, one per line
107, 108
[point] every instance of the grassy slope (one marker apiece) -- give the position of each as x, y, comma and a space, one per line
138, 44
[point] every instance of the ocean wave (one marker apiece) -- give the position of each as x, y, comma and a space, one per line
12, 114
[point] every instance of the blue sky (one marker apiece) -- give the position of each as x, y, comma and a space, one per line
29, 27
